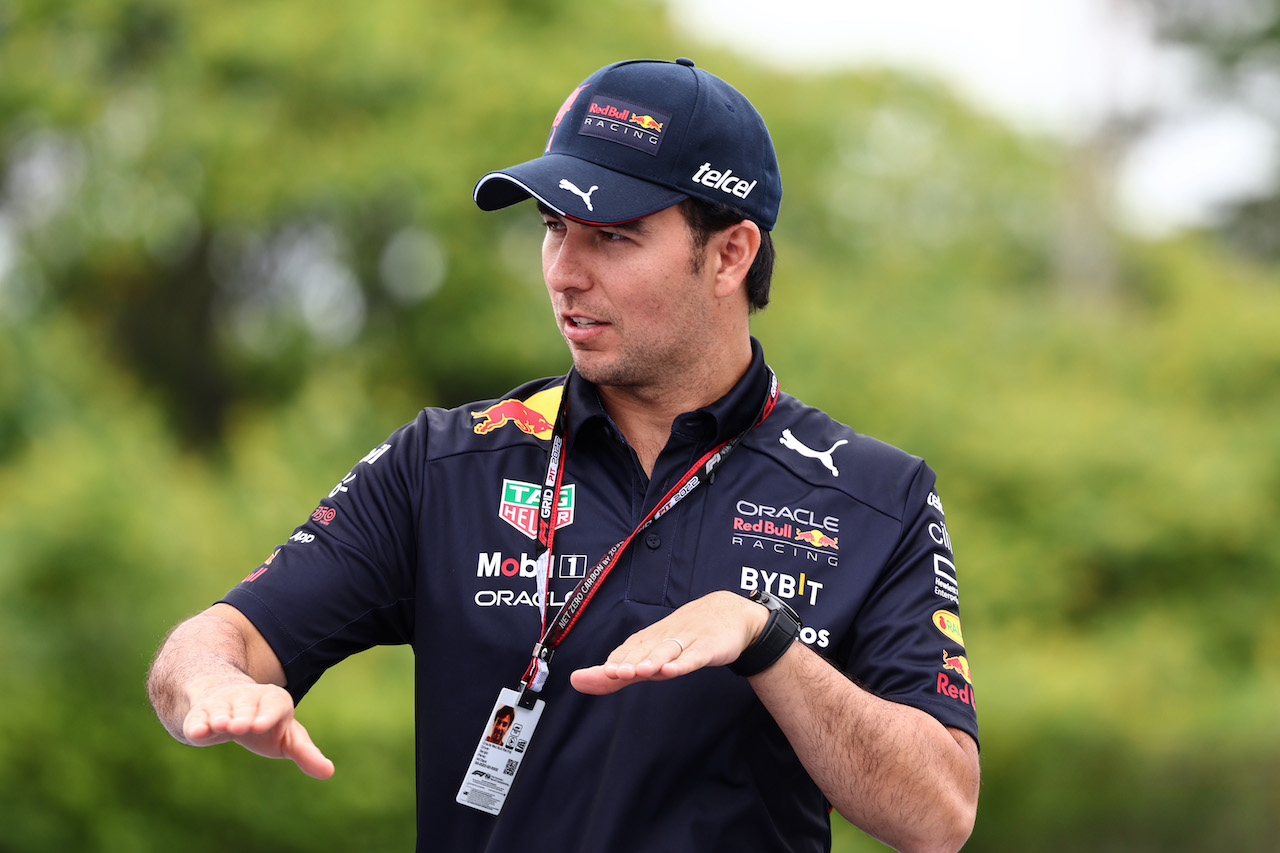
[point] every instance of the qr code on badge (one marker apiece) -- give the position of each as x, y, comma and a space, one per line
511, 768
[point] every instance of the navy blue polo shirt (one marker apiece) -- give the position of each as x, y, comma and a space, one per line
430, 540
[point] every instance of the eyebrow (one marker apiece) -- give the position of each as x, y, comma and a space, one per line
635, 226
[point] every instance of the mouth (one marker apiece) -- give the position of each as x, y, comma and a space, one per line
578, 328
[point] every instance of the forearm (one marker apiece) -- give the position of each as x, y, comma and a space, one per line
892, 770
215, 679
205, 651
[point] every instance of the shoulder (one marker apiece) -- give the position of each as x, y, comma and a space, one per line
523, 415
815, 447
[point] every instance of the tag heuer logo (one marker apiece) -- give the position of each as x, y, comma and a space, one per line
519, 506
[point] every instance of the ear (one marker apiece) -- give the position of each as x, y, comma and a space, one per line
734, 250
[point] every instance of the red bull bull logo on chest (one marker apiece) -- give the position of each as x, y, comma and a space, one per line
534, 416
818, 539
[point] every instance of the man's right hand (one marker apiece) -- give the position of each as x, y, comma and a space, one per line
215, 679
260, 718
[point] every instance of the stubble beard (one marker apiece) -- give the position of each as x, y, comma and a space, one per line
624, 370
649, 370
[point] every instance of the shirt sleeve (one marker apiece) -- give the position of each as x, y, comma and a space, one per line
343, 582
907, 643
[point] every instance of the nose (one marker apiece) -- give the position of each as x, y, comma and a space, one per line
565, 263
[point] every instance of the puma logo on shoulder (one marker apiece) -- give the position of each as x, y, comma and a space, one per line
790, 442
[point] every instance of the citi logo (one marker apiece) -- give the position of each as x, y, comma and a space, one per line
725, 181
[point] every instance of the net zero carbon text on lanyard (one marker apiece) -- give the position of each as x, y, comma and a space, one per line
516, 713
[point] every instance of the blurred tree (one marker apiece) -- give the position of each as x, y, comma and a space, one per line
1238, 43
247, 226
230, 191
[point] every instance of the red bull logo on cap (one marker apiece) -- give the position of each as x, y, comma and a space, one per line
624, 122
534, 416
647, 122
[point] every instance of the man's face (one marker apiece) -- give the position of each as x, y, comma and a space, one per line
629, 300
500, 726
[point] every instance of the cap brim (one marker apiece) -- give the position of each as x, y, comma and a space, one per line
574, 188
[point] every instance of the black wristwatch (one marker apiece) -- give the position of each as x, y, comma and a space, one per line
779, 633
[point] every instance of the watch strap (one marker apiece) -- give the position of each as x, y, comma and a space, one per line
780, 631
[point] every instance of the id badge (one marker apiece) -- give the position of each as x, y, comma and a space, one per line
498, 754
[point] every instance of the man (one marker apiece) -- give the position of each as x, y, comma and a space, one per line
502, 720
626, 523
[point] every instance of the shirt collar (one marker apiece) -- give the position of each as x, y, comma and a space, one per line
731, 415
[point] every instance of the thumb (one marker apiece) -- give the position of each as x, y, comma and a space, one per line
298, 746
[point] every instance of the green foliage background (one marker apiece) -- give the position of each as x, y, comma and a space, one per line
237, 248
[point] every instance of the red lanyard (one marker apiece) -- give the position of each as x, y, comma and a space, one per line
553, 634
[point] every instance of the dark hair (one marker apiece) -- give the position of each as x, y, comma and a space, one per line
705, 219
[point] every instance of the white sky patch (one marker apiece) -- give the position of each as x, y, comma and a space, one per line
1182, 173
1046, 66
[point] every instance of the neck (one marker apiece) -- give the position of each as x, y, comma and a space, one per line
644, 414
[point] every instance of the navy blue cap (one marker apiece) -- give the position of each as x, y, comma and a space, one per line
641, 135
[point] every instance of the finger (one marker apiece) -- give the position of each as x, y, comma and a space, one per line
595, 681
652, 644
196, 727
299, 747
660, 654
661, 664
244, 709
270, 710
217, 714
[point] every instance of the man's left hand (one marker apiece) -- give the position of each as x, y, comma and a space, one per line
709, 631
